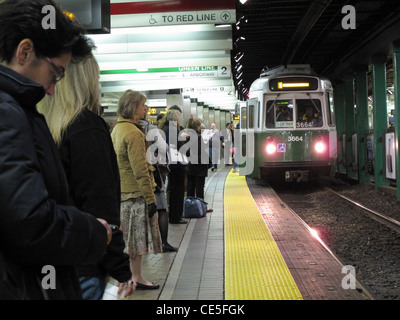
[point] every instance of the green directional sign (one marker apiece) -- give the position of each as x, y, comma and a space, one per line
174, 69
175, 72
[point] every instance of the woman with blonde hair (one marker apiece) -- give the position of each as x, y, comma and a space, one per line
139, 220
90, 164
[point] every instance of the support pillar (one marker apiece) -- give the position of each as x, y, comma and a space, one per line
396, 81
349, 123
340, 125
175, 97
362, 120
380, 116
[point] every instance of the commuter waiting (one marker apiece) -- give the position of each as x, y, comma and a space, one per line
176, 178
86, 149
139, 219
215, 144
160, 175
199, 163
38, 225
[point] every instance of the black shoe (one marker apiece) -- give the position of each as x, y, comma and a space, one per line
168, 248
140, 286
179, 222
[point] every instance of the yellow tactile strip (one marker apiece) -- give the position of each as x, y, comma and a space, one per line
254, 266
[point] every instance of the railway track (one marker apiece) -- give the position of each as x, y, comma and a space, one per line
381, 218
359, 236
360, 286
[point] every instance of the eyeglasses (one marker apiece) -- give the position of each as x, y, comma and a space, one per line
59, 72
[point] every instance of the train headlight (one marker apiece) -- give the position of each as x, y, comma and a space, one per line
320, 147
271, 148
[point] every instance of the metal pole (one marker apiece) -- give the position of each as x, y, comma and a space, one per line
396, 82
380, 116
362, 120
340, 125
349, 122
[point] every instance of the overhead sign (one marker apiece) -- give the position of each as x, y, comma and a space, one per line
174, 18
219, 89
189, 72
156, 102
146, 13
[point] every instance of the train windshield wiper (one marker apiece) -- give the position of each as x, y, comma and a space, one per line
312, 101
273, 103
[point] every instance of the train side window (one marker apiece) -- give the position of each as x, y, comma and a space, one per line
251, 116
331, 109
243, 118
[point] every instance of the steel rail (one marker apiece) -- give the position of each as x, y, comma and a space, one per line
388, 221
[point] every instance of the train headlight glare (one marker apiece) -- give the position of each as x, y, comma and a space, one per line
271, 148
320, 147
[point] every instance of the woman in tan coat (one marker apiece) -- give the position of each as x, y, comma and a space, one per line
139, 221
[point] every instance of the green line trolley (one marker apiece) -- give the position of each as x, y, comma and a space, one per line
290, 130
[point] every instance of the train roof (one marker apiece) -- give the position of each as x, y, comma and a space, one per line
283, 70
304, 69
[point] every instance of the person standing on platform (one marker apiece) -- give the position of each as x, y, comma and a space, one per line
161, 170
236, 151
90, 164
199, 163
215, 146
176, 178
39, 227
139, 218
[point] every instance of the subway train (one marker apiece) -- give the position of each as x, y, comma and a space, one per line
288, 129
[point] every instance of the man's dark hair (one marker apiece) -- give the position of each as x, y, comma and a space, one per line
21, 19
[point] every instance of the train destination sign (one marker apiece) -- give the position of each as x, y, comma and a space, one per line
293, 84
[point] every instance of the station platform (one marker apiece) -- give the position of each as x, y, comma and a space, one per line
249, 248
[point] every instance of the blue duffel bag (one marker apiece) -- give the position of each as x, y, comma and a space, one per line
194, 207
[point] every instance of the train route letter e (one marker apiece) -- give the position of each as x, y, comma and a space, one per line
349, 20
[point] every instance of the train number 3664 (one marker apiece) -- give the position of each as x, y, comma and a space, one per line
294, 138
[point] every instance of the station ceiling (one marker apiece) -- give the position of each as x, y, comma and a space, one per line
267, 33
274, 32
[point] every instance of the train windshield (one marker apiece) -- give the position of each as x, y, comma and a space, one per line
309, 113
290, 113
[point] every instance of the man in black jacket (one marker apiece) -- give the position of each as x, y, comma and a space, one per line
42, 236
